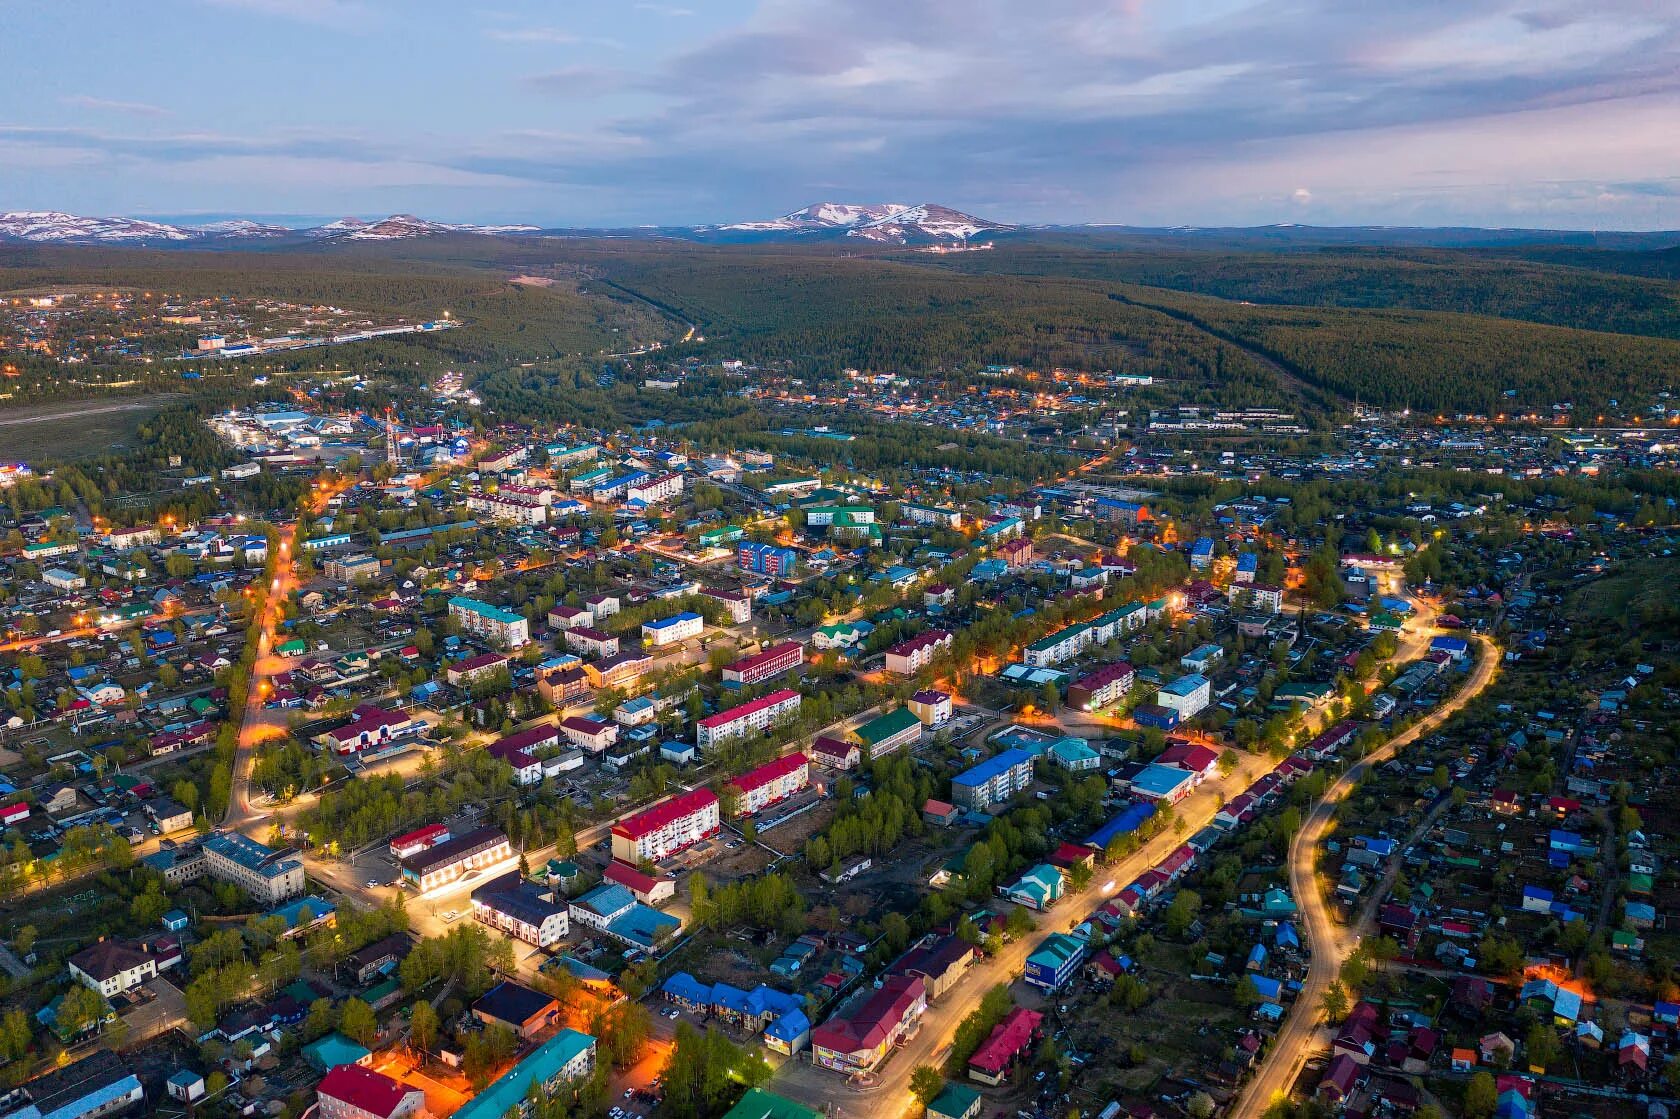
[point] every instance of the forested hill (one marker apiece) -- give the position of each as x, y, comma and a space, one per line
1435, 361
1499, 283
1312, 329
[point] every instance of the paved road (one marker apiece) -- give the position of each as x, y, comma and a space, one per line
1331, 944
890, 1095
259, 723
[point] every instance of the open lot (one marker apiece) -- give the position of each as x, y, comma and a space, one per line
70, 431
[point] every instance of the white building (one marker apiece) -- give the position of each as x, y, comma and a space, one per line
269, 876
772, 782
748, 718
1187, 695
508, 508
911, 656
501, 626
111, 967
666, 828
659, 488
668, 631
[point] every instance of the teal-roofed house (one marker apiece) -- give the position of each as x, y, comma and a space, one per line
565, 1058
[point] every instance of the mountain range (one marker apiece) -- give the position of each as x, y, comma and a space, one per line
74, 229
893, 224
884, 223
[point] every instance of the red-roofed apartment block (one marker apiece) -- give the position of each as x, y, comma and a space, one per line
772, 782
666, 828
909, 657
765, 665
746, 719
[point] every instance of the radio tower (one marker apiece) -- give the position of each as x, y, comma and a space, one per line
392, 454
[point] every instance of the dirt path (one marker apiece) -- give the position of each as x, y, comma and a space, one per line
1289, 375
44, 413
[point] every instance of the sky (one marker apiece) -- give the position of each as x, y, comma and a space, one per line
678, 112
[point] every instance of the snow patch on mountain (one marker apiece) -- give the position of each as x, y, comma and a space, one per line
886, 222
54, 227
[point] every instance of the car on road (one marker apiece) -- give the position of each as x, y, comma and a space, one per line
449, 915
374, 883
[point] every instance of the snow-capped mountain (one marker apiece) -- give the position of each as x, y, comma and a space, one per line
240, 228
51, 226
821, 216
926, 222
339, 228
887, 222
400, 226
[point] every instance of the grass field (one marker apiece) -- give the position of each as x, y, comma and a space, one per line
1619, 596
64, 432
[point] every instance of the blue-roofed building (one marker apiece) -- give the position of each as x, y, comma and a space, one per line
564, 1059
1455, 647
305, 914
1201, 553
1126, 822
993, 781
678, 627
98, 1084
789, 1033
777, 1015
1163, 784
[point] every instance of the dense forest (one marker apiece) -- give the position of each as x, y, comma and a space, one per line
1308, 328
1433, 360
1413, 279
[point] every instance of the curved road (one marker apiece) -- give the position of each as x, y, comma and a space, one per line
1331, 943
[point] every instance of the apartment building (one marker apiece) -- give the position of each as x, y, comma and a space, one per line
501, 626
767, 664
269, 876
668, 827
993, 781
911, 656
748, 718
772, 782
669, 631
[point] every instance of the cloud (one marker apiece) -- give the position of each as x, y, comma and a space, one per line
341, 13
548, 36
105, 105
581, 78
1452, 111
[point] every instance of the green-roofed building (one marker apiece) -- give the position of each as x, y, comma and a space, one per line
759, 1104
957, 1101
327, 1053
718, 537
886, 733
565, 1058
